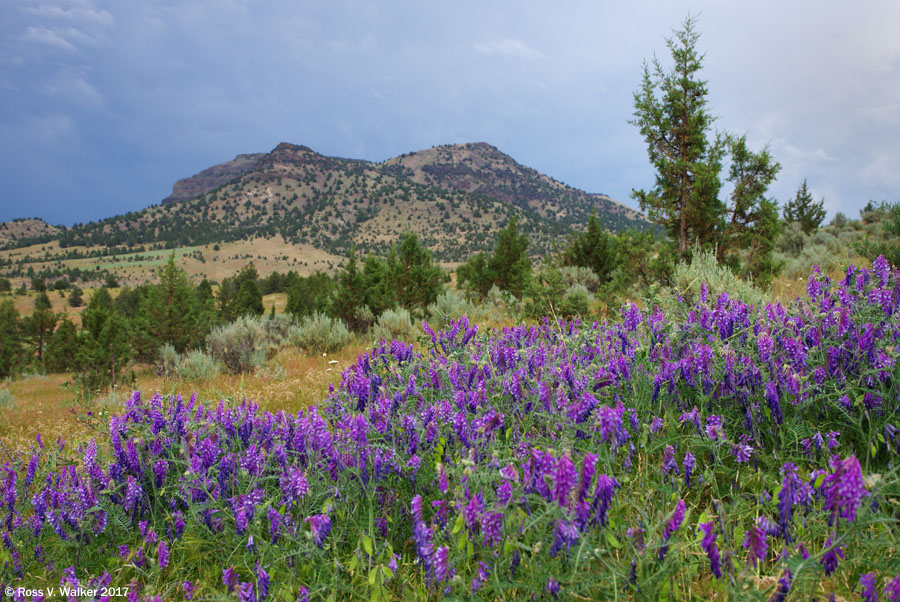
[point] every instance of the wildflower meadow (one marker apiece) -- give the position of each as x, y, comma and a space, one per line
715, 451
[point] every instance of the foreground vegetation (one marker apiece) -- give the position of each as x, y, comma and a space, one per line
725, 450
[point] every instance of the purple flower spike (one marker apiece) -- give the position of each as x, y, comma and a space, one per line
892, 590
162, 554
303, 596
320, 525
565, 478
229, 578
784, 586
756, 545
844, 488
189, 589
674, 523
442, 569
709, 546
867, 583
553, 587
830, 559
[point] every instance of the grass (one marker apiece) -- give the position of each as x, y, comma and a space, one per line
46, 404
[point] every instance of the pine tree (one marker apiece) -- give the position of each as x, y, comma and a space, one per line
11, 353
39, 325
595, 248
76, 298
804, 210
671, 112
509, 265
167, 314
350, 293
62, 348
417, 281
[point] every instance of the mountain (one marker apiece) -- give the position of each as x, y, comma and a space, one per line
455, 197
212, 177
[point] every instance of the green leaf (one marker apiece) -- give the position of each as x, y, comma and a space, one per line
367, 544
612, 541
372, 574
460, 521
818, 482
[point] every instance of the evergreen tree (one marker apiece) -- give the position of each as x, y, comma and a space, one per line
750, 212
39, 325
248, 299
38, 284
671, 112
104, 342
417, 281
308, 295
509, 265
76, 298
595, 248
804, 210
167, 314
5, 285
62, 349
474, 274
350, 294
380, 291
11, 353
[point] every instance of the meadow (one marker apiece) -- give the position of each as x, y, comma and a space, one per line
711, 450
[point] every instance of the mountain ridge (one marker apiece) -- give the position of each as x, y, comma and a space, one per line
455, 197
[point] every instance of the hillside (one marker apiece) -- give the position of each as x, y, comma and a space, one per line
23, 229
455, 198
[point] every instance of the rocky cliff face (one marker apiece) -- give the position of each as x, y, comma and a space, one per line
213, 177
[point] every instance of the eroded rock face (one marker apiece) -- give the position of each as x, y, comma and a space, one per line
213, 177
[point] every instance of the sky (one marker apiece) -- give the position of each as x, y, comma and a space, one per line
104, 105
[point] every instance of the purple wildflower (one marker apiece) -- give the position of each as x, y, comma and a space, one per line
867, 583
442, 569
303, 596
262, 583
844, 488
245, 592
189, 589
786, 499
784, 586
830, 558
320, 525
755, 543
674, 523
565, 478
162, 554
553, 587
483, 571
670, 465
688, 463
741, 452
892, 590
774, 402
491, 528
229, 578
709, 546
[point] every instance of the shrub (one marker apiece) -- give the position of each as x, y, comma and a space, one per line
703, 268
449, 305
197, 366
576, 302
241, 346
586, 277
7, 401
167, 361
319, 333
278, 329
395, 324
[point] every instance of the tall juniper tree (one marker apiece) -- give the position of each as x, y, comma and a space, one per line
671, 112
